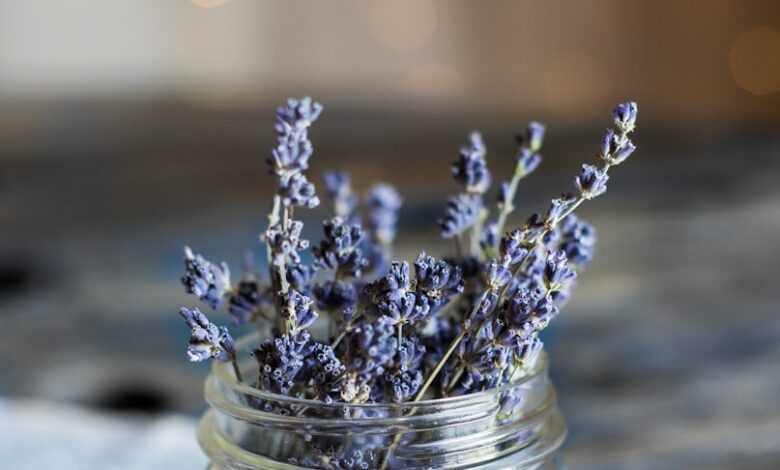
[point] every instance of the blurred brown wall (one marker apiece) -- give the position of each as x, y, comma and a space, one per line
686, 61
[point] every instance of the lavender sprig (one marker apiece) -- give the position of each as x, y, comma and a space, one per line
527, 160
204, 279
288, 161
209, 341
625, 119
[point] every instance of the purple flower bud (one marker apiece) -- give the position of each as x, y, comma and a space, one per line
608, 144
384, 203
471, 168
577, 240
290, 157
298, 113
513, 248
207, 340
529, 351
437, 280
461, 213
248, 300
337, 185
339, 249
623, 153
591, 182
557, 274
298, 191
280, 359
296, 309
497, 275
207, 281
334, 296
405, 377
625, 116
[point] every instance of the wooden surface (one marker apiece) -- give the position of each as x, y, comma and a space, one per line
668, 356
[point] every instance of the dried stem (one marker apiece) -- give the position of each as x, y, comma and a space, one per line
236, 370
347, 329
508, 205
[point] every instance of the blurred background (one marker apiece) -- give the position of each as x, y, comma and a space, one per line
129, 128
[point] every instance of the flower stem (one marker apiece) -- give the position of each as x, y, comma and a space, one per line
236, 370
347, 329
508, 205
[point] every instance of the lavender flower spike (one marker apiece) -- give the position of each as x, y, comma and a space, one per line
209, 282
461, 214
471, 168
207, 340
339, 250
384, 202
339, 190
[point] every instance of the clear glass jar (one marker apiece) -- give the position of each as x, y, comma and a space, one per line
517, 426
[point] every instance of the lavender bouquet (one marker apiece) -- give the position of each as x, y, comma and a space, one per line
355, 326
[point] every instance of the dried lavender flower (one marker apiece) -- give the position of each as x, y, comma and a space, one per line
497, 275
248, 300
207, 281
322, 373
339, 249
557, 273
577, 240
339, 190
384, 204
297, 115
437, 280
368, 350
286, 243
207, 340
460, 215
406, 377
625, 116
592, 181
300, 276
615, 149
280, 359
470, 169
337, 296
292, 154
295, 309
299, 192
513, 248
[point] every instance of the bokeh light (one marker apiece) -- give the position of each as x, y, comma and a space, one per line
754, 60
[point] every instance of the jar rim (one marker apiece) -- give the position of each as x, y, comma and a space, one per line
223, 373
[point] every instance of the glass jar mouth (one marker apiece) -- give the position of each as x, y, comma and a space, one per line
223, 374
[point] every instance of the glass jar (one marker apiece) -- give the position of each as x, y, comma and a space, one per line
517, 426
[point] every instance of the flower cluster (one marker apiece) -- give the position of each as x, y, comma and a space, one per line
291, 156
339, 250
398, 300
207, 340
394, 331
